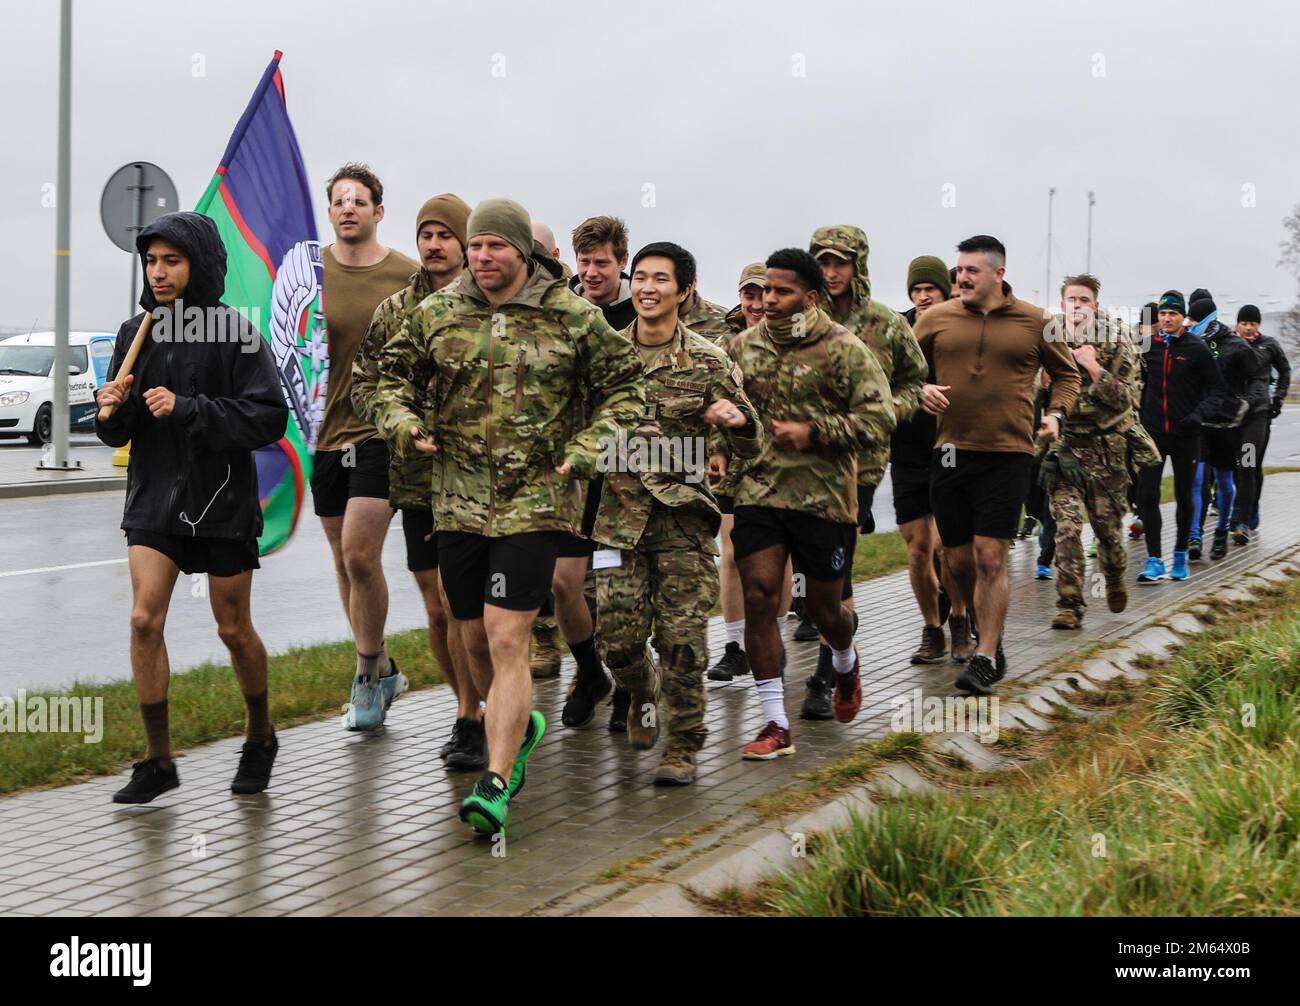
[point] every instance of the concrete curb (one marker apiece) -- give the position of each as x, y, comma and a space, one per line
746, 858
60, 486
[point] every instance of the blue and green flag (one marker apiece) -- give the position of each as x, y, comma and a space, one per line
260, 201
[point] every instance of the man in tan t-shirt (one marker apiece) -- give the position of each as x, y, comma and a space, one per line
349, 482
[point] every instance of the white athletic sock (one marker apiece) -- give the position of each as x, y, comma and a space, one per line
377, 666
736, 633
772, 694
842, 660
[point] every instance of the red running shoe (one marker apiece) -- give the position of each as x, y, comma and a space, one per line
772, 742
847, 699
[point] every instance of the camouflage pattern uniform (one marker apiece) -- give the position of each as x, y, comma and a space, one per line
409, 479
1088, 463
708, 319
502, 429
665, 519
886, 333
822, 375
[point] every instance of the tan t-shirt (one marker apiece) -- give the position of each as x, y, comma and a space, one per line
351, 295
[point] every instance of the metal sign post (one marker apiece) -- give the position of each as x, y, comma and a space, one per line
62, 251
135, 196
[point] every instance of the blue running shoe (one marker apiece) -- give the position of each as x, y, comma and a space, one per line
1043, 572
365, 709
1179, 572
394, 685
1155, 571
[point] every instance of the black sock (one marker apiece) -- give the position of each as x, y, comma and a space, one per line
588, 661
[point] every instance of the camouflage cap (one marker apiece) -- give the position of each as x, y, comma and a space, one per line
754, 274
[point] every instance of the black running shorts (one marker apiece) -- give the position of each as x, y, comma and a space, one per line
512, 572
978, 493
822, 549
214, 556
338, 476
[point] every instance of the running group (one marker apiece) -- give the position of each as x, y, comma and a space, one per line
481, 391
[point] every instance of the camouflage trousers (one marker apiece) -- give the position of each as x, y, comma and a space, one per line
1102, 503
664, 587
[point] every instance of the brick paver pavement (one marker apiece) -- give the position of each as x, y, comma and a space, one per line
362, 824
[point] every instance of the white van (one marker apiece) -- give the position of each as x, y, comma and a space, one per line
27, 382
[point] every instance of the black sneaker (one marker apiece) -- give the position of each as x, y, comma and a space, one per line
618, 711
1220, 548
979, 676
471, 751
1027, 528
451, 742
584, 696
945, 606
148, 780
732, 664
255, 761
806, 630
817, 700
1194, 549
1000, 660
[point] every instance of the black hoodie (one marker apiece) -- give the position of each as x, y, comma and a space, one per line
192, 473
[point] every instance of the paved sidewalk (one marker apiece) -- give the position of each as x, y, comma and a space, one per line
367, 824
19, 476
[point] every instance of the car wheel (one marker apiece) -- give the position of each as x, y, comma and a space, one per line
43, 427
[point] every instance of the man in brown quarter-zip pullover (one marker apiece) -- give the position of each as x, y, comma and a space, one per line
986, 349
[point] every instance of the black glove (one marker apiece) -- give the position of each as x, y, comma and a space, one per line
1187, 426
1275, 408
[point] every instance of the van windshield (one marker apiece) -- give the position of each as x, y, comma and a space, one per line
32, 361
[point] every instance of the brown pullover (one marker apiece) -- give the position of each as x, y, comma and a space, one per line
991, 362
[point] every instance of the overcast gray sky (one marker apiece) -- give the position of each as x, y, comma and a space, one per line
754, 122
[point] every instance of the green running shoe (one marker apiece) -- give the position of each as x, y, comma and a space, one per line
485, 808
532, 737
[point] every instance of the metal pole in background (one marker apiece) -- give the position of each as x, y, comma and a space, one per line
137, 225
62, 242
1047, 286
1092, 201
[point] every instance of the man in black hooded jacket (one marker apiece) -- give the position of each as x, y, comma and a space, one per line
203, 395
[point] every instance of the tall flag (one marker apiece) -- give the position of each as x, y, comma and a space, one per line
261, 204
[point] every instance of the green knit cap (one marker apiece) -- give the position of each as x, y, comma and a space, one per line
506, 219
929, 269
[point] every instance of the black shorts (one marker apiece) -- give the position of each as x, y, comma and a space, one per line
726, 504
512, 572
214, 556
911, 486
1220, 448
333, 483
979, 493
574, 546
822, 548
421, 545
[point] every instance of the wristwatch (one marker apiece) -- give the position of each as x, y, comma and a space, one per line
1058, 416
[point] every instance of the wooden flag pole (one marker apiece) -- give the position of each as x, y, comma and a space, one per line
128, 361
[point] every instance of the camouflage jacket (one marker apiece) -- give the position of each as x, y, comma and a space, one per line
827, 378
672, 446
499, 391
409, 479
709, 320
887, 334
1107, 404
